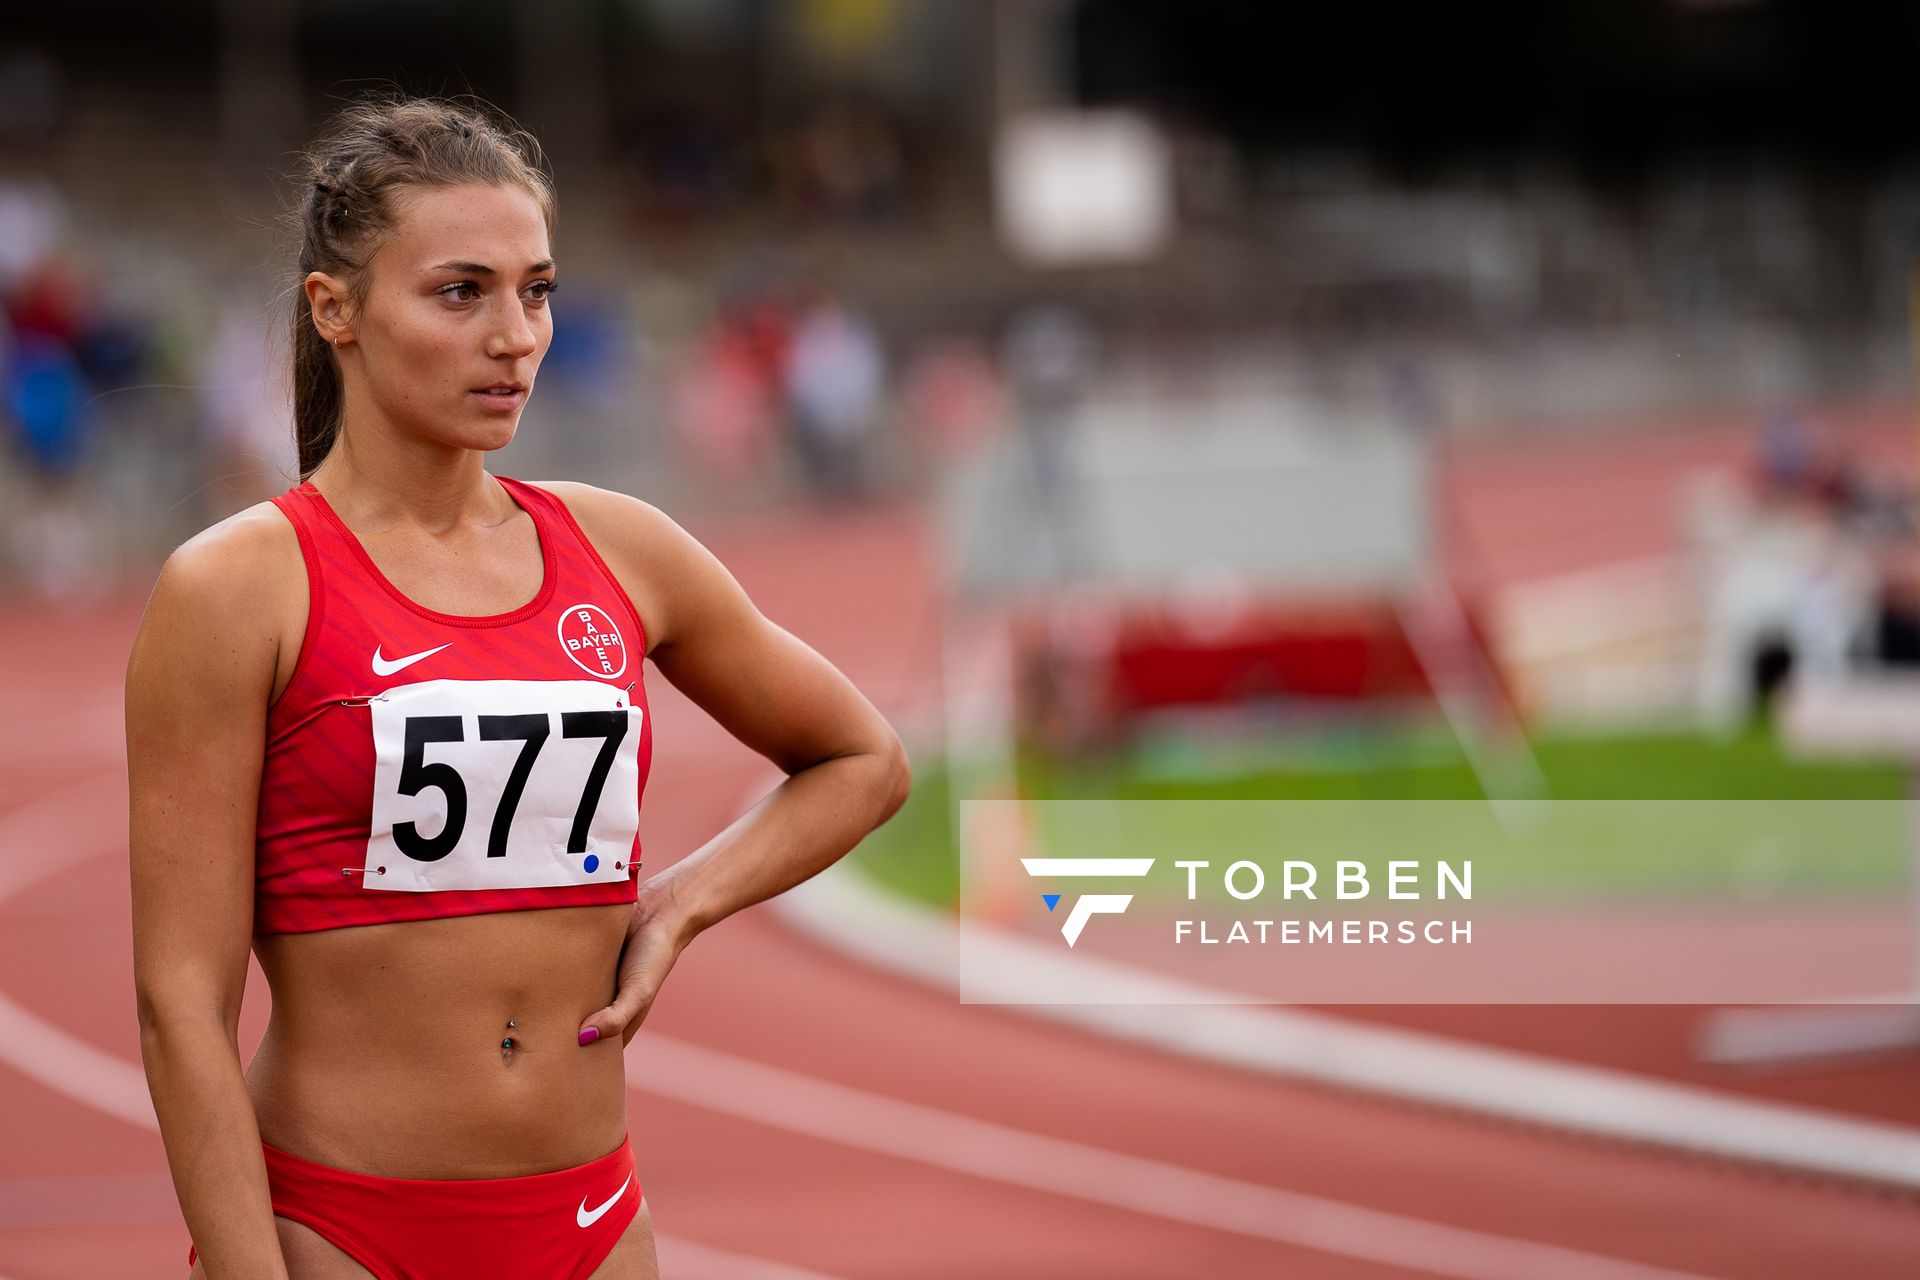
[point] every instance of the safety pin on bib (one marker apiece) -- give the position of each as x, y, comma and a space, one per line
362, 700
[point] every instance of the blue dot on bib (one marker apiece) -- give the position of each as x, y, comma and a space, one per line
592, 863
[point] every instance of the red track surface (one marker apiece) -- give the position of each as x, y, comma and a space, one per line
83, 1194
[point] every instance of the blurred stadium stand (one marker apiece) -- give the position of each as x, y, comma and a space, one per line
1499, 219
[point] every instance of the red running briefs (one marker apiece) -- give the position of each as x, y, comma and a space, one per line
545, 1226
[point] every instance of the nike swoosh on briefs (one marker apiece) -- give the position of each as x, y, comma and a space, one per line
587, 1217
382, 667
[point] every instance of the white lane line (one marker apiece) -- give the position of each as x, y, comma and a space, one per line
847, 913
87, 1200
910, 1131
134, 1199
29, 837
853, 1117
65, 1064
844, 911
37, 838
683, 1259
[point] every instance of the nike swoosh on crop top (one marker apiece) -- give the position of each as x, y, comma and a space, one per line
496, 765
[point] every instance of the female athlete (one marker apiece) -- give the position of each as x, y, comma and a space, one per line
389, 729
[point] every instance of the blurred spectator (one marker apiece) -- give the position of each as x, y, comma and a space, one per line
1410, 395
836, 374
1049, 356
723, 415
1896, 628
1786, 451
953, 397
1793, 587
583, 363
726, 400
1798, 462
46, 400
62, 350
246, 411
32, 216
48, 299
842, 166
1791, 594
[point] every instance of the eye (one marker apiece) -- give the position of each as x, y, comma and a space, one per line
540, 290
460, 291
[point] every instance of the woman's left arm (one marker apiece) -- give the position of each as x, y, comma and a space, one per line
846, 770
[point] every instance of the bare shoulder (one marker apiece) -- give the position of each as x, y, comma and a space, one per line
250, 559
622, 517
256, 540
236, 586
660, 565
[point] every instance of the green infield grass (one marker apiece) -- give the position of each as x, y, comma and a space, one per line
914, 854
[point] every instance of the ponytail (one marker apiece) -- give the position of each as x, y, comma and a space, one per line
318, 397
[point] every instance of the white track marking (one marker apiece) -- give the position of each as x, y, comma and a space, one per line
39, 838
92, 733
684, 1259
87, 1200
62, 1062
130, 1199
852, 1117
841, 910
112, 1085
35, 1047
927, 1135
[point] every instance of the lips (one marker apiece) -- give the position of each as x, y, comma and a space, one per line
501, 395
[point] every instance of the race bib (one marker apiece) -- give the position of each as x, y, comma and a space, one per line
502, 784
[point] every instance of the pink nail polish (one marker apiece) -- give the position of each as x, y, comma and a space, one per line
589, 1035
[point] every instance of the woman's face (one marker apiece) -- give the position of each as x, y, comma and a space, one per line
453, 322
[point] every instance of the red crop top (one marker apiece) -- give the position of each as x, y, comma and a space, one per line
422, 764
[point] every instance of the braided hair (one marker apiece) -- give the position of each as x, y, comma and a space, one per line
368, 153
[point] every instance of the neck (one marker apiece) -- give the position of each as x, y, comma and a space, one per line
377, 480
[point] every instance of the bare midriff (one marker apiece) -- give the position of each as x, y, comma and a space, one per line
443, 1048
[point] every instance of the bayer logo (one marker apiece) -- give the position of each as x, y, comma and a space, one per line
592, 641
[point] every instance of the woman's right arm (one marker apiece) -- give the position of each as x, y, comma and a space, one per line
198, 685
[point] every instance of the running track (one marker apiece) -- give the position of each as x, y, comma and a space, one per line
796, 1115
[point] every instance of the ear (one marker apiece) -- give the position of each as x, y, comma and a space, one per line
331, 306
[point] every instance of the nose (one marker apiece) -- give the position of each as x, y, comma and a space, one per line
512, 334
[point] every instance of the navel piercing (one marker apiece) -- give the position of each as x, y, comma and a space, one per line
512, 1023
507, 1043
